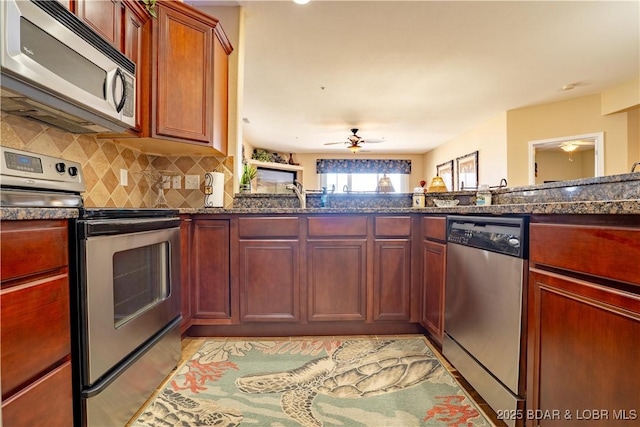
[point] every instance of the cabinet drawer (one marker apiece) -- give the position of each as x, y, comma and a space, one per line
31, 247
35, 331
390, 226
45, 402
268, 227
337, 226
609, 252
435, 227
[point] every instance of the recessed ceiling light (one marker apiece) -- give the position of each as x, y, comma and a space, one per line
301, 1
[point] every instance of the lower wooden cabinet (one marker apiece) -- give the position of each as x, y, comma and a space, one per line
434, 260
185, 270
210, 270
337, 273
269, 281
583, 355
35, 336
392, 268
584, 352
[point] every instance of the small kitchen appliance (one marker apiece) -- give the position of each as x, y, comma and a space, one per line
57, 70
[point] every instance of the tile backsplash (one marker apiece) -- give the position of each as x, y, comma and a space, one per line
102, 160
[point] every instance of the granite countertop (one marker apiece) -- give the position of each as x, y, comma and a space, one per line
582, 207
615, 194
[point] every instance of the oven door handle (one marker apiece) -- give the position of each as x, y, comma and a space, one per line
107, 227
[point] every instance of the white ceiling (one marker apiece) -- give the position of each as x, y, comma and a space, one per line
419, 73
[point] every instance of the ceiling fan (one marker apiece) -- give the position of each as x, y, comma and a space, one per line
354, 141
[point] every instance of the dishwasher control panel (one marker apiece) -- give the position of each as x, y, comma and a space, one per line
502, 235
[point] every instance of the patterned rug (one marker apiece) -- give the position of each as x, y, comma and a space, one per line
332, 381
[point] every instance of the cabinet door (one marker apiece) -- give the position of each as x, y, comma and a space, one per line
104, 17
183, 82
210, 270
434, 259
135, 23
337, 279
583, 352
392, 279
48, 401
269, 280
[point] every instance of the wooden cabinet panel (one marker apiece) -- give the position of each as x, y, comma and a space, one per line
104, 17
185, 271
337, 226
434, 259
210, 270
337, 271
220, 94
46, 402
392, 279
392, 226
435, 228
183, 107
36, 247
35, 329
136, 33
583, 352
600, 251
269, 281
268, 227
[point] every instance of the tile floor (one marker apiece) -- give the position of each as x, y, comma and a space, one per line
191, 344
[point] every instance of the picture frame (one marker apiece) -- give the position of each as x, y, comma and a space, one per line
445, 171
467, 171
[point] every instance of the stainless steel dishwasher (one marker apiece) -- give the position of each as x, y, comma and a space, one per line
484, 309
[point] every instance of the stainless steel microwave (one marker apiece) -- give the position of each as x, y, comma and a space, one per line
57, 70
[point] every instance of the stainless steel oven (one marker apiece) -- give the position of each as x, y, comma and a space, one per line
128, 308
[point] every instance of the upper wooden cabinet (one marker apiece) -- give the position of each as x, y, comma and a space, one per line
182, 72
189, 77
104, 17
126, 25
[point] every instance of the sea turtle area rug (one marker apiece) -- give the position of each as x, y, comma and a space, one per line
312, 382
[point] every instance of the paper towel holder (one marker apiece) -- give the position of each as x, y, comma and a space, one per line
209, 196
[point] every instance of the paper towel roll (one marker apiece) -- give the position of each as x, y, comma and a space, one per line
214, 190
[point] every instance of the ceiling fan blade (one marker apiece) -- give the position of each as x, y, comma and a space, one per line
372, 141
334, 143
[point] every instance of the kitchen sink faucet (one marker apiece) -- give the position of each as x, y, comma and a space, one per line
299, 190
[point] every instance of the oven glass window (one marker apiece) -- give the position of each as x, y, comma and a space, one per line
140, 280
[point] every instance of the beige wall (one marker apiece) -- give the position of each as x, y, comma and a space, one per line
575, 116
489, 139
311, 180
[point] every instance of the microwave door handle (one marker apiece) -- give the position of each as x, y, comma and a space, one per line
119, 74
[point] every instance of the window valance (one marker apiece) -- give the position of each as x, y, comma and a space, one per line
363, 166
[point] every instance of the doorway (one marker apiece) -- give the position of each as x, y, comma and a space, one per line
566, 158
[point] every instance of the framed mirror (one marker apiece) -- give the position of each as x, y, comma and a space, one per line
566, 158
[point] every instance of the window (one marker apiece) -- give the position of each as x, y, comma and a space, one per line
361, 182
363, 175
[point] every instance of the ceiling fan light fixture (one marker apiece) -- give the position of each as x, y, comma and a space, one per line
354, 148
569, 146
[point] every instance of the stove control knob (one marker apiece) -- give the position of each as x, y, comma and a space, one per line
60, 167
73, 171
